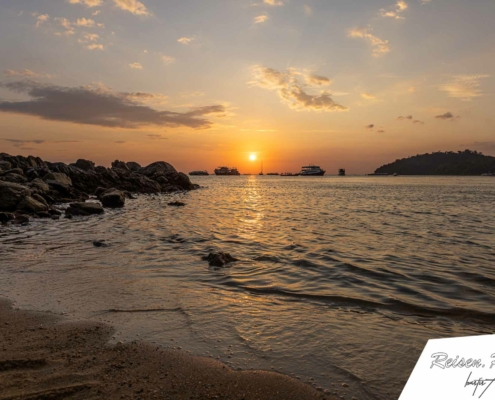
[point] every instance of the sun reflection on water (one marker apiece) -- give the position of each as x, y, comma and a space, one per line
252, 210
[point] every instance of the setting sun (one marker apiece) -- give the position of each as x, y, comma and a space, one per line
252, 156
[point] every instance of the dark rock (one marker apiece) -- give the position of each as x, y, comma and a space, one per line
99, 191
157, 168
17, 171
54, 217
120, 165
30, 205
219, 259
14, 178
5, 165
44, 214
112, 198
11, 195
84, 209
21, 219
54, 211
99, 243
39, 186
177, 204
85, 165
133, 166
39, 198
100, 169
58, 177
6, 217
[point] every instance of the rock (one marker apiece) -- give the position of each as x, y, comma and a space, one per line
21, 219
177, 204
11, 195
85, 165
219, 259
112, 198
39, 186
84, 209
99, 243
54, 211
17, 171
182, 180
6, 217
14, 178
99, 191
120, 165
133, 166
157, 168
44, 214
58, 177
39, 198
30, 205
5, 165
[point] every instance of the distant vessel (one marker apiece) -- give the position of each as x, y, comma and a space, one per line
312, 170
288, 174
378, 174
226, 171
342, 172
199, 173
261, 172
488, 174
273, 173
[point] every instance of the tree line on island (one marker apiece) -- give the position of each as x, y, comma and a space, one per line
467, 162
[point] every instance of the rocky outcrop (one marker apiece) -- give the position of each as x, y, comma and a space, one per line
219, 259
40, 184
112, 198
84, 209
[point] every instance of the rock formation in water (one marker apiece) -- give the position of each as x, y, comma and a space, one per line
31, 186
465, 162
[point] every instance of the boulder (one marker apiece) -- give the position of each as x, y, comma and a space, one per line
17, 171
99, 191
11, 195
99, 243
5, 165
21, 219
39, 186
112, 198
133, 166
6, 217
120, 165
84, 209
30, 205
219, 259
85, 165
14, 178
44, 214
157, 168
177, 204
40, 199
58, 177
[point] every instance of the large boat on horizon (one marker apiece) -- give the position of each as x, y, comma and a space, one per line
226, 171
312, 170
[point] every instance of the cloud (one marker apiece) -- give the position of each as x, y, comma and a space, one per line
317, 80
26, 73
185, 40
381, 131
291, 91
274, 2
88, 23
167, 60
425, 1
368, 96
308, 10
95, 46
40, 19
448, 116
406, 117
380, 47
133, 6
395, 11
260, 19
159, 137
21, 143
370, 126
120, 141
136, 65
100, 106
464, 87
417, 121
88, 3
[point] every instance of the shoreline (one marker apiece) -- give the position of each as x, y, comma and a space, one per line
45, 356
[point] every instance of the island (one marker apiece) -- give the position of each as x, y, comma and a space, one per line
467, 162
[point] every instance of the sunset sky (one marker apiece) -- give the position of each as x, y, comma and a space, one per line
200, 83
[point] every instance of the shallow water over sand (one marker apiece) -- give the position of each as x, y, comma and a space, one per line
340, 279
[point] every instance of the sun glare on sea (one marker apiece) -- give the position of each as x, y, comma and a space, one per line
252, 156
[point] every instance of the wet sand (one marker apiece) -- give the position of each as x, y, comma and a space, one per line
42, 356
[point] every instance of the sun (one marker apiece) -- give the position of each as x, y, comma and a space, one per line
252, 156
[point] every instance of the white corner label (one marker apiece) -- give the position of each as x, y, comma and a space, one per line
455, 369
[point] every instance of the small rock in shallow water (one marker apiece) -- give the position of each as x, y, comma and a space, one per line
99, 243
177, 204
219, 259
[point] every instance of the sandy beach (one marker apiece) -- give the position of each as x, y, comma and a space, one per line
45, 357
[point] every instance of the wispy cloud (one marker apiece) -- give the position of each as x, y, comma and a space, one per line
100, 106
418, 122
157, 137
308, 10
448, 116
88, 3
21, 143
395, 11
368, 96
41, 19
370, 126
292, 91
185, 40
133, 6
409, 117
136, 65
25, 73
167, 60
95, 46
380, 46
380, 131
260, 19
274, 2
464, 87
88, 23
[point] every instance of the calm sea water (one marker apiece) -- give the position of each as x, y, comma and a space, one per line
340, 280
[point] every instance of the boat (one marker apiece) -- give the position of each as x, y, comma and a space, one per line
273, 173
378, 174
199, 173
288, 174
226, 171
261, 172
342, 172
312, 170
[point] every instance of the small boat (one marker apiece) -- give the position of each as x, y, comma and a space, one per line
226, 171
199, 173
342, 172
273, 173
288, 174
395, 174
261, 172
312, 170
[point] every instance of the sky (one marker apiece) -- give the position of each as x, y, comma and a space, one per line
348, 84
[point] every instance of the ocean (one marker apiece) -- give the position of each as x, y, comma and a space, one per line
340, 280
